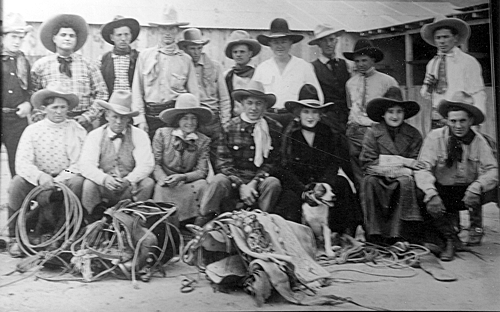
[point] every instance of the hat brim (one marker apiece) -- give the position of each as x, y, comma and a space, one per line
25, 29
38, 97
292, 106
169, 115
131, 23
253, 44
315, 41
77, 23
376, 53
117, 109
184, 43
179, 24
264, 40
240, 94
427, 31
376, 108
445, 105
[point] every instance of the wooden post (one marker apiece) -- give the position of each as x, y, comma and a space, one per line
409, 58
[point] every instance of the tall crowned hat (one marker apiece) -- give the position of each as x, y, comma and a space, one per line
169, 17
323, 30
14, 22
117, 22
365, 47
279, 29
308, 97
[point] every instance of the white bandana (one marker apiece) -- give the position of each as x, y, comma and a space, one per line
261, 138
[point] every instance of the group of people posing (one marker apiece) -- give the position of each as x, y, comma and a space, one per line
168, 124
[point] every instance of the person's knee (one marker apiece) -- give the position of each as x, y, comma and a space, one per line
220, 180
271, 184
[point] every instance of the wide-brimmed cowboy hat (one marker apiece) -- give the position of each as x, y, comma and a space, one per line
14, 22
169, 17
238, 37
365, 47
464, 101
308, 97
186, 103
76, 22
191, 36
376, 108
279, 29
120, 102
54, 89
323, 30
463, 29
120, 21
254, 89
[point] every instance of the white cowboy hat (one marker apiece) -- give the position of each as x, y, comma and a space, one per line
120, 102
463, 29
323, 30
54, 89
186, 103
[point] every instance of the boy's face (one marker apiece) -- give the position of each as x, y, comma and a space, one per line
12, 41
445, 40
363, 63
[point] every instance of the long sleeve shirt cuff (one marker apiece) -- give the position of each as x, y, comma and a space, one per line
475, 187
429, 194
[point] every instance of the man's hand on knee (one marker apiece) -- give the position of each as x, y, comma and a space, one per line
248, 194
435, 207
471, 200
46, 181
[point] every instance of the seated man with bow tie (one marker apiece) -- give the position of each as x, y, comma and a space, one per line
64, 34
116, 160
246, 152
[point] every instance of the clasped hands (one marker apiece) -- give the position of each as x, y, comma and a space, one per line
248, 193
116, 184
173, 180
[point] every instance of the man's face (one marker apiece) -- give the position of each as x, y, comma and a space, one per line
363, 63
65, 40
254, 107
121, 37
12, 41
241, 54
459, 122
394, 116
445, 40
168, 34
280, 46
328, 45
117, 123
57, 111
194, 50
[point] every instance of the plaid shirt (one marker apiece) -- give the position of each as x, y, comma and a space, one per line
236, 151
87, 82
122, 63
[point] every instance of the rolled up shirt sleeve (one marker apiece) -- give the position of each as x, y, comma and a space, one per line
89, 159
143, 156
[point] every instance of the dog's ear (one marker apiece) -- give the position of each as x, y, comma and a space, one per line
310, 187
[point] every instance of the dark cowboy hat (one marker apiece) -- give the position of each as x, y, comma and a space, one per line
14, 22
238, 37
279, 29
120, 21
255, 89
463, 29
191, 36
365, 47
75, 21
376, 108
308, 97
169, 17
184, 104
464, 101
54, 89
119, 102
323, 30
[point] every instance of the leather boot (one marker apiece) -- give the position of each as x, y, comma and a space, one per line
448, 253
475, 236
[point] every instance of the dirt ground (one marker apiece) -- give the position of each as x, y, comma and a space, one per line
477, 287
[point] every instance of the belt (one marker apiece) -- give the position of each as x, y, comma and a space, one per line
278, 110
154, 109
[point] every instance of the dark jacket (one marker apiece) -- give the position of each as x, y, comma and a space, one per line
108, 69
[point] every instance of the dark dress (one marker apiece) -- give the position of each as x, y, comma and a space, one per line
303, 164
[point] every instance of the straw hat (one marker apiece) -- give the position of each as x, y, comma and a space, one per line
169, 17
14, 22
54, 89
376, 108
186, 103
254, 89
427, 31
75, 21
238, 37
323, 30
279, 29
308, 97
120, 102
120, 21
365, 47
462, 100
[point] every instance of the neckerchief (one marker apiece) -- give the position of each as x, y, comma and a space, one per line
312, 129
246, 71
169, 49
455, 146
393, 131
21, 66
182, 142
261, 138
64, 65
121, 52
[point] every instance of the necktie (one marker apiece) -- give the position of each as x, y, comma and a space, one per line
117, 136
442, 84
363, 98
332, 63
65, 64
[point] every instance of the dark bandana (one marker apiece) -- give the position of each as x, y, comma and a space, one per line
455, 146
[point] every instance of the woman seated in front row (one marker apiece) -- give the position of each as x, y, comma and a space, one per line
181, 156
311, 153
389, 153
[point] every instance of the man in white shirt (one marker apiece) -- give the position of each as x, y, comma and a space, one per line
451, 70
116, 160
48, 150
284, 74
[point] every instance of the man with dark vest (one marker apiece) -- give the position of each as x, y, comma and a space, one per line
332, 75
117, 66
116, 160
